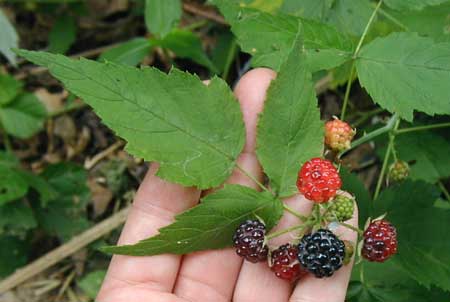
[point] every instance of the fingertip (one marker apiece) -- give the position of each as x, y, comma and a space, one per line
251, 93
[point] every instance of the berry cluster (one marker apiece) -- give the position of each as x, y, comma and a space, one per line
318, 251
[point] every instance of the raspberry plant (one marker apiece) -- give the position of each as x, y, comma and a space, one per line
196, 134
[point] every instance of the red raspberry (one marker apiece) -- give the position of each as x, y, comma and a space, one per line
318, 180
338, 135
285, 263
249, 241
380, 241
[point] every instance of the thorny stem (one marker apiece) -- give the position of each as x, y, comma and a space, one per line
294, 212
422, 128
355, 55
349, 226
444, 190
389, 150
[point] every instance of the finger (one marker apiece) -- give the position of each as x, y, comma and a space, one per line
211, 275
156, 203
256, 281
311, 289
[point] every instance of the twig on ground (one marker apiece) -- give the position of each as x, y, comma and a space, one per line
90, 163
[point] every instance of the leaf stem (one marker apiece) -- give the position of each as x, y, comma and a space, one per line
288, 230
422, 128
294, 212
229, 59
389, 150
348, 226
444, 190
355, 54
392, 19
263, 187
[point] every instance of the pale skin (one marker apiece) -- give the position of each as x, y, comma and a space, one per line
218, 275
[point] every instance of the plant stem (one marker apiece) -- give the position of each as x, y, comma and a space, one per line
392, 19
444, 190
365, 116
386, 160
263, 187
195, 25
288, 230
229, 60
355, 54
348, 226
295, 213
422, 128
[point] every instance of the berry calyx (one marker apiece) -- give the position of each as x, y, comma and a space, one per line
249, 241
338, 135
398, 171
285, 264
380, 241
318, 180
341, 208
321, 253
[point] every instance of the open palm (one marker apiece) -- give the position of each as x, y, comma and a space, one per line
218, 275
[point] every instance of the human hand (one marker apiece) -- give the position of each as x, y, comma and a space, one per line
218, 275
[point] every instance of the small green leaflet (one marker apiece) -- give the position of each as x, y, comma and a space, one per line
210, 225
310, 9
9, 89
289, 127
423, 231
412, 75
14, 256
62, 35
161, 16
24, 116
16, 216
91, 283
129, 53
412, 4
194, 131
269, 38
8, 38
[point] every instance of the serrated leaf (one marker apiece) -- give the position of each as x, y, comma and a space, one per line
8, 38
195, 131
14, 256
412, 4
310, 9
269, 38
12, 185
91, 283
24, 116
129, 53
423, 231
161, 16
210, 225
15, 216
9, 89
62, 35
413, 75
428, 154
187, 45
290, 131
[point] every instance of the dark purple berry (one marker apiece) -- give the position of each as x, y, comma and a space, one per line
249, 241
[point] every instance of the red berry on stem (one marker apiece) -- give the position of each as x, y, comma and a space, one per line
285, 263
380, 241
318, 180
338, 135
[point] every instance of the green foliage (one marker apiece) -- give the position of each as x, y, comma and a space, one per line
211, 224
130, 53
12, 185
24, 116
423, 231
16, 217
9, 89
412, 4
161, 16
413, 75
290, 125
179, 128
12, 257
316, 10
351, 183
62, 35
8, 38
224, 52
90, 284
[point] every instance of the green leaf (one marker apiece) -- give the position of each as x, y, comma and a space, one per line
353, 185
269, 38
15, 216
91, 283
40, 185
423, 231
8, 38
195, 131
290, 131
413, 75
310, 9
9, 89
62, 35
224, 51
428, 152
23, 117
210, 225
187, 45
412, 4
12, 185
161, 16
129, 53
14, 256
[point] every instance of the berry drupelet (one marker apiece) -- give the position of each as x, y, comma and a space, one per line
249, 241
285, 264
380, 241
